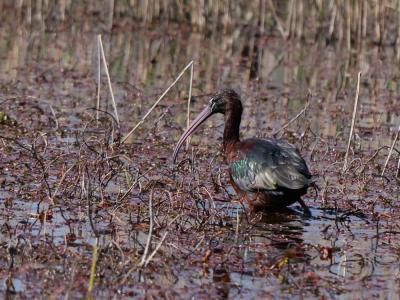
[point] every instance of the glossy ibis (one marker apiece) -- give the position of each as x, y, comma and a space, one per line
268, 173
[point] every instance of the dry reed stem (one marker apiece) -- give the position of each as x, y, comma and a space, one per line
146, 249
352, 123
110, 17
237, 225
297, 116
130, 188
342, 17
161, 241
86, 191
324, 193
332, 20
98, 78
390, 151
59, 184
156, 103
54, 115
108, 79
188, 105
45, 223
282, 31
93, 268
156, 249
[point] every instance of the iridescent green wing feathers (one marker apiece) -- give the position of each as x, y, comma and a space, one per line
269, 164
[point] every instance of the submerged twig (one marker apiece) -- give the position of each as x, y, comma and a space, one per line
352, 123
108, 79
390, 151
156, 103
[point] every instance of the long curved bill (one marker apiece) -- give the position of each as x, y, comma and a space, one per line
196, 123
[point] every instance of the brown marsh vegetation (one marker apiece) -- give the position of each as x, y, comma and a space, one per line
84, 214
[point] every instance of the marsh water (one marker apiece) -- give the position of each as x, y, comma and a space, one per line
212, 246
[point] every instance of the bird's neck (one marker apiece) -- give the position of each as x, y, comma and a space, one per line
232, 124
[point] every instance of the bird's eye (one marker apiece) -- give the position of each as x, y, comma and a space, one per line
215, 102
212, 103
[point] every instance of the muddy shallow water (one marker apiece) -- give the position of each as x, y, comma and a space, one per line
65, 188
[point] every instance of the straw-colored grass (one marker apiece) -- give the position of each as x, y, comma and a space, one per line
353, 120
158, 101
108, 79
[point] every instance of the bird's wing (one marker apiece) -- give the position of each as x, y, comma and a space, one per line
269, 164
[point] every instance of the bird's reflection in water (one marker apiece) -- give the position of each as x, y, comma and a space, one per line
222, 281
269, 242
282, 229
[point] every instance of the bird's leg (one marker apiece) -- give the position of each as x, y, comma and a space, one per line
243, 198
307, 211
